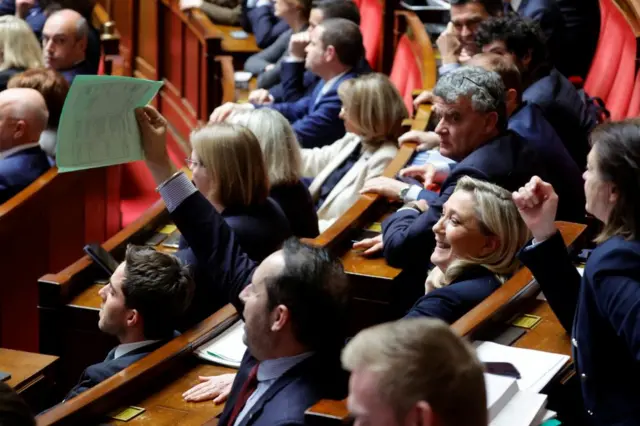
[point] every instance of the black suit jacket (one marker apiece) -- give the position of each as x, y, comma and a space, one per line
97, 373
260, 230
19, 170
507, 161
286, 400
602, 312
296, 202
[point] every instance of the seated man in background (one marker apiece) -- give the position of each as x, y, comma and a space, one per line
414, 372
544, 85
64, 44
23, 117
471, 106
457, 44
293, 344
29, 10
296, 81
141, 305
258, 17
333, 53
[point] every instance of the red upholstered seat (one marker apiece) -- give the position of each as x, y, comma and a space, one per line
371, 28
405, 73
612, 72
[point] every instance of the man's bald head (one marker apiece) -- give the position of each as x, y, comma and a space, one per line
64, 39
23, 117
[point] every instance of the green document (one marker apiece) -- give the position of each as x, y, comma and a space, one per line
98, 126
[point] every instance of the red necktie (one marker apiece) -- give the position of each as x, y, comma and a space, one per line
247, 389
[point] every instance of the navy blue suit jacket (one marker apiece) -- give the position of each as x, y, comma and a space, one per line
579, 37
453, 301
19, 170
97, 373
602, 310
507, 161
297, 82
316, 123
265, 26
260, 231
82, 68
564, 109
285, 402
297, 205
562, 171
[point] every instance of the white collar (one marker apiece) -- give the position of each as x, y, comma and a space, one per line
329, 84
125, 348
16, 149
515, 4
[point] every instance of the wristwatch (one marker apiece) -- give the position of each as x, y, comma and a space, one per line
403, 192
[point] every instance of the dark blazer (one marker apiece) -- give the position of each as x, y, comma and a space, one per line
453, 301
82, 68
602, 310
579, 36
6, 75
297, 82
547, 14
565, 111
285, 402
265, 26
562, 171
19, 170
316, 123
97, 373
260, 231
296, 202
507, 161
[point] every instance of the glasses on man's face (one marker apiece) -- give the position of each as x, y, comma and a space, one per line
192, 164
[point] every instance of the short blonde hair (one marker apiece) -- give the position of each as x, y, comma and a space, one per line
497, 215
278, 142
374, 106
421, 359
20, 47
231, 154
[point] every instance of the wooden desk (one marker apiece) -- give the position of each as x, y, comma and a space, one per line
32, 375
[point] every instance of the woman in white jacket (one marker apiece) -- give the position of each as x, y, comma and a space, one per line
372, 110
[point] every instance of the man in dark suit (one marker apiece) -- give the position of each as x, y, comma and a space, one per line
470, 103
258, 17
414, 372
544, 85
295, 81
64, 44
23, 117
333, 53
293, 303
30, 10
141, 304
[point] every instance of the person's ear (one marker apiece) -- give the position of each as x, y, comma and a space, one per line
329, 53
491, 122
133, 318
526, 59
280, 316
491, 244
20, 130
613, 194
421, 414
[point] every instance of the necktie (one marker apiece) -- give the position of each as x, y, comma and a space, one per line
111, 355
247, 389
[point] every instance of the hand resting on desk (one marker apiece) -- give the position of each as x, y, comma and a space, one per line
217, 388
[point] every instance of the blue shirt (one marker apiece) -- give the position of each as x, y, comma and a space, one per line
268, 372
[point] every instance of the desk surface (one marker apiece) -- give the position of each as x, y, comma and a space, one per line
548, 335
166, 406
230, 44
26, 368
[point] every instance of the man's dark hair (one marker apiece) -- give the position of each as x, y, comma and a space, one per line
520, 36
314, 288
159, 287
13, 410
346, 9
504, 66
346, 39
493, 7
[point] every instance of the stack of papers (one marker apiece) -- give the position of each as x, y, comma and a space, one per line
518, 402
226, 349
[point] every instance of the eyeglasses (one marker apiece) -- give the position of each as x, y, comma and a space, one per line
191, 164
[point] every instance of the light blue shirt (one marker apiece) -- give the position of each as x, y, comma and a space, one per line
268, 372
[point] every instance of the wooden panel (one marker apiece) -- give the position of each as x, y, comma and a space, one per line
172, 40
47, 225
194, 75
147, 35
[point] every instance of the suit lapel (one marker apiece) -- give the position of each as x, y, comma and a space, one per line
317, 183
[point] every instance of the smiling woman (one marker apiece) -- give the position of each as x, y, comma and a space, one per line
477, 239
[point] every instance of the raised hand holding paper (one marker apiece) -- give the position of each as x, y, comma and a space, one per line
98, 126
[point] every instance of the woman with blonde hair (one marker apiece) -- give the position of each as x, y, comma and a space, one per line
372, 110
228, 169
477, 241
19, 48
283, 161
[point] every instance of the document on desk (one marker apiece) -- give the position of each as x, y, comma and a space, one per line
98, 126
536, 368
525, 409
226, 349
